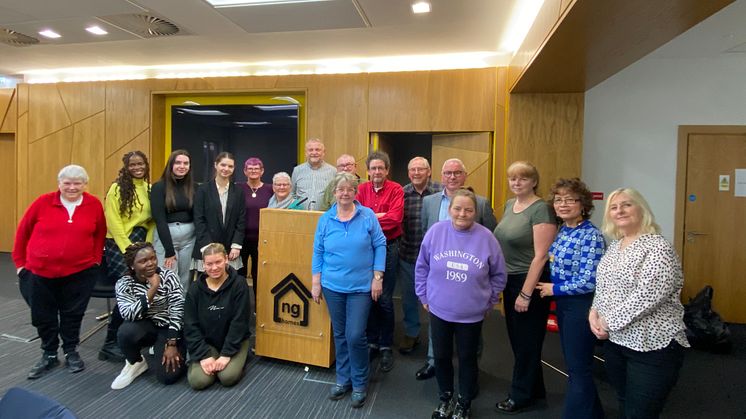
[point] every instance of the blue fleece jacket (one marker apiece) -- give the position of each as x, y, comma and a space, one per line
347, 252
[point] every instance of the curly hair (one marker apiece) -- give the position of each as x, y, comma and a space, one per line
577, 187
131, 253
127, 195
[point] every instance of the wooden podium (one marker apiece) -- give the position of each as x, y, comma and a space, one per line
289, 324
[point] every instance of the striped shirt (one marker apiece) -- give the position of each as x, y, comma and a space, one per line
409, 246
167, 308
310, 183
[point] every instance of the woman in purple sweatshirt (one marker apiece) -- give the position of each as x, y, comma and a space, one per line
459, 275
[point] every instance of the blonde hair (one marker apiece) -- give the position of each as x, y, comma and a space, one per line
214, 249
526, 169
647, 223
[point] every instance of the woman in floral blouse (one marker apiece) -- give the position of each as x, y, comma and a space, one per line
573, 258
637, 307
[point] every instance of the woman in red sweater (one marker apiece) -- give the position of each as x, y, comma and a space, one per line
57, 251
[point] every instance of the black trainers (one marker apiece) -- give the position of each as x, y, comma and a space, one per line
73, 362
387, 360
461, 411
338, 391
445, 408
47, 362
111, 352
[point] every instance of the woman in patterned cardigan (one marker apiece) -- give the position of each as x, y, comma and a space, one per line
637, 307
573, 258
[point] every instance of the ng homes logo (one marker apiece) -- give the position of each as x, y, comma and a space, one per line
291, 301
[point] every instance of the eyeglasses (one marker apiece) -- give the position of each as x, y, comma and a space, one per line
346, 190
253, 169
567, 201
343, 165
282, 185
418, 169
455, 173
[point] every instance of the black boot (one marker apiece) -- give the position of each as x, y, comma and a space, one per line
111, 351
47, 362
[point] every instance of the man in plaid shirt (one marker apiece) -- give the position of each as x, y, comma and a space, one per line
421, 186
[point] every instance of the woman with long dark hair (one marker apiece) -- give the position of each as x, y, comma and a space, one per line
128, 220
172, 202
220, 213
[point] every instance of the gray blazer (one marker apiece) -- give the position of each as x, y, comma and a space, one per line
431, 208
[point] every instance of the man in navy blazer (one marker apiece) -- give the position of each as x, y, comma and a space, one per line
434, 209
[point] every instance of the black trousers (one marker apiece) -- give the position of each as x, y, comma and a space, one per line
250, 249
467, 341
58, 306
526, 333
134, 336
642, 380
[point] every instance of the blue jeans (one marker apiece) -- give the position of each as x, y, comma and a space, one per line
642, 379
581, 397
349, 314
410, 304
381, 318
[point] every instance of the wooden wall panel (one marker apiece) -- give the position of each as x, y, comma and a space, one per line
47, 112
537, 36
22, 164
432, 101
22, 93
127, 113
9, 111
547, 130
82, 99
8, 186
88, 150
499, 142
46, 157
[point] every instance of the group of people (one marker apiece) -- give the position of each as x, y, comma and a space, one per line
439, 240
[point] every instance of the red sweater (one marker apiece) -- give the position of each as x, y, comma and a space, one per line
388, 200
52, 245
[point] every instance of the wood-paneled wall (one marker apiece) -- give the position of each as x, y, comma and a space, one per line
547, 130
94, 123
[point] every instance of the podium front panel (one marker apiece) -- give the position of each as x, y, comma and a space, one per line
290, 325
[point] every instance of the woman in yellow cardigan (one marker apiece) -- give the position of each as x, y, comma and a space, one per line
128, 220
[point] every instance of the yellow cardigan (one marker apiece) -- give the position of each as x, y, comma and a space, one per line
118, 225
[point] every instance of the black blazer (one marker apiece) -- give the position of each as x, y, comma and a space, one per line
208, 217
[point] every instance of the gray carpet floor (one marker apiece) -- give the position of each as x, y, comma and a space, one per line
710, 386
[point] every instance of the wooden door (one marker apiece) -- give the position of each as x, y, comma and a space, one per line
714, 228
474, 150
8, 186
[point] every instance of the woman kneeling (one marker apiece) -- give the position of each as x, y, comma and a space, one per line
216, 322
151, 302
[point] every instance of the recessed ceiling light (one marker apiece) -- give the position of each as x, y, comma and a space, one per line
49, 33
96, 30
421, 7
240, 3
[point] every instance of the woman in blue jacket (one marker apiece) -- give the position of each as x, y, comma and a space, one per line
349, 257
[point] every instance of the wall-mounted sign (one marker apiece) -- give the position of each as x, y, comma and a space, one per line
597, 196
291, 301
739, 188
692, 197
724, 183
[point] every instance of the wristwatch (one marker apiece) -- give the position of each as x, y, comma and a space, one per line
378, 277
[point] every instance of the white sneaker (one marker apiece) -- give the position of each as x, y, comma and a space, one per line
128, 374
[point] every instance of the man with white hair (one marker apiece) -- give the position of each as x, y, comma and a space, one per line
309, 179
345, 164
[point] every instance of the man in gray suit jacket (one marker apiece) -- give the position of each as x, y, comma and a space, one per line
434, 209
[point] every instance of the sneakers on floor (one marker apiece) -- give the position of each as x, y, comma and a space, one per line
358, 399
129, 373
111, 352
445, 408
47, 362
73, 362
338, 391
461, 411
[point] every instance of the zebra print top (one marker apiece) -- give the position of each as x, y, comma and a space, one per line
167, 308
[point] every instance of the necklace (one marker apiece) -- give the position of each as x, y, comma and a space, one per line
253, 190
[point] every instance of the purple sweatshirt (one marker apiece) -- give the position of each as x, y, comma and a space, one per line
459, 273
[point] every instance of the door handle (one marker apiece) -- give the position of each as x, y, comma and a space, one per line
691, 235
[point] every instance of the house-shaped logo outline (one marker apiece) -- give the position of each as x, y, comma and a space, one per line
290, 283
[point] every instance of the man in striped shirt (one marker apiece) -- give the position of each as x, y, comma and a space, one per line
310, 178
